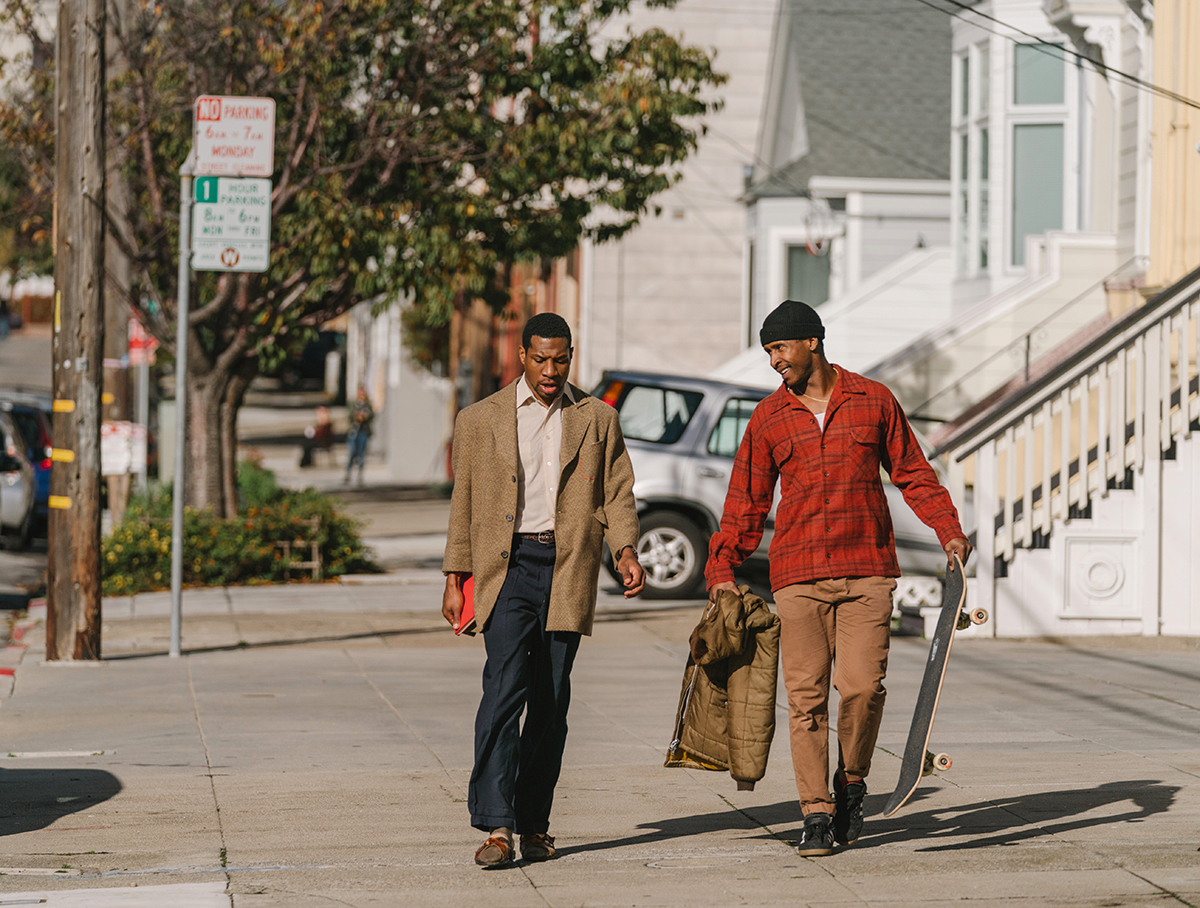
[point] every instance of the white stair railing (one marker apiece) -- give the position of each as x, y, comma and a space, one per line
1088, 427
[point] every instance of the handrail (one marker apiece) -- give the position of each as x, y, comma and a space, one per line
1124, 332
1024, 340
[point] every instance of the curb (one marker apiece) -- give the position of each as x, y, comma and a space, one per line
26, 635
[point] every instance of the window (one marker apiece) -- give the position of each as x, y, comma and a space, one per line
985, 77
807, 276
963, 243
657, 415
1038, 74
969, 191
1037, 183
964, 85
983, 199
727, 434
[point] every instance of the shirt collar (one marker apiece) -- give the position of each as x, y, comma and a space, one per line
525, 394
848, 383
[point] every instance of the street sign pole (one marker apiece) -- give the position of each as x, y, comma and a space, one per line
231, 137
181, 341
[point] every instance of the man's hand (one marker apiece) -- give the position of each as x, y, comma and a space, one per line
631, 572
453, 599
723, 585
960, 547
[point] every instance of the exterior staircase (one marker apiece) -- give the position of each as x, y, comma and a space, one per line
962, 360
1086, 482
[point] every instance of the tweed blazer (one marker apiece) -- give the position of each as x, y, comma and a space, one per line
595, 502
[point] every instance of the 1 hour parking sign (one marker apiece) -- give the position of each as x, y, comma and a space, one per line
231, 224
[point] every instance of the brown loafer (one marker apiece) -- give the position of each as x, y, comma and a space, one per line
538, 847
495, 852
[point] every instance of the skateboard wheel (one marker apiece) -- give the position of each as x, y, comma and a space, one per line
927, 766
979, 616
942, 762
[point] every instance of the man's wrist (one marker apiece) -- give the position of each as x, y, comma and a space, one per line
626, 548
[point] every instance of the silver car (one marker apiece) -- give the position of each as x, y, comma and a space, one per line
682, 434
16, 486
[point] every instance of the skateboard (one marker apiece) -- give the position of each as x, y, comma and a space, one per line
918, 760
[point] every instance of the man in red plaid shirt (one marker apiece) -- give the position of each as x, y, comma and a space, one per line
824, 436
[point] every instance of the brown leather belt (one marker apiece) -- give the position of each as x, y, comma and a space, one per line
545, 538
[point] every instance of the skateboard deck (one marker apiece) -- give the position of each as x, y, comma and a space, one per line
918, 761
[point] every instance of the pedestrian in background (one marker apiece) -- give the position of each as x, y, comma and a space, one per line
317, 437
362, 416
824, 436
541, 481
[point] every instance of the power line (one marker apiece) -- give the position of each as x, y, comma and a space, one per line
1040, 46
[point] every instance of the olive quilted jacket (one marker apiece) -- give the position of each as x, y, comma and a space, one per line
726, 716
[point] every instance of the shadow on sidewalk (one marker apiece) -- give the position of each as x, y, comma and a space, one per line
1010, 821
1006, 821
36, 798
751, 820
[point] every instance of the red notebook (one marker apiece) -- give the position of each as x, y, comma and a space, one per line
466, 621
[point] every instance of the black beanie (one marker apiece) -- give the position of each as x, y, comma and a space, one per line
791, 320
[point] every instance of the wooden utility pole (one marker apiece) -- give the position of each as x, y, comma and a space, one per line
73, 615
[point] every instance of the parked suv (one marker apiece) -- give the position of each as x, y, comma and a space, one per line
31, 411
16, 486
682, 434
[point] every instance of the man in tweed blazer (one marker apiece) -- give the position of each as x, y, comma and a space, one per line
541, 481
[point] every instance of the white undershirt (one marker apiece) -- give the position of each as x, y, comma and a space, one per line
820, 419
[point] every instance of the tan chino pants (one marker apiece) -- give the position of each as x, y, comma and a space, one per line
835, 630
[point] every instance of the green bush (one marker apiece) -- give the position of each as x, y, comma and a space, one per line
137, 554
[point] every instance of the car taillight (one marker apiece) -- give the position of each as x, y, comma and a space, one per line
612, 393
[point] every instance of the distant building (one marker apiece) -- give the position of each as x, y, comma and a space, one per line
671, 295
1050, 180
848, 194
1068, 376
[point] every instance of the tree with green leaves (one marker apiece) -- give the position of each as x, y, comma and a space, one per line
421, 145
26, 132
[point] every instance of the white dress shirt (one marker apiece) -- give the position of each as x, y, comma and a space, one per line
539, 441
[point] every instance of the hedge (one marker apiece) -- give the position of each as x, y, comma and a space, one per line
136, 555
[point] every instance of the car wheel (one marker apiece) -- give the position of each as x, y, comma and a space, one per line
672, 550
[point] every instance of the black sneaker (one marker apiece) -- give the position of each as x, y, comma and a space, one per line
848, 803
817, 839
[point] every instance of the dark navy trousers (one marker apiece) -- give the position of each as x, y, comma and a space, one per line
528, 670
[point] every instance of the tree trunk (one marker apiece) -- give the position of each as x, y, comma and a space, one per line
203, 483
235, 394
214, 397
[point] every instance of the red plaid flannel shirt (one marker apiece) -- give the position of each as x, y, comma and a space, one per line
833, 518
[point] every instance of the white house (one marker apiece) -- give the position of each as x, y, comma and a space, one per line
1050, 183
848, 201
1073, 403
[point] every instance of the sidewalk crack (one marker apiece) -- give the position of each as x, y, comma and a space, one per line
403, 721
1161, 889
212, 782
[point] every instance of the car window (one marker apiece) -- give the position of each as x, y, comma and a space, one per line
657, 415
728, 432
27, 423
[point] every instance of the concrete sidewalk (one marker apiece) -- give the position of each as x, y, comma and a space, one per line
312, 747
